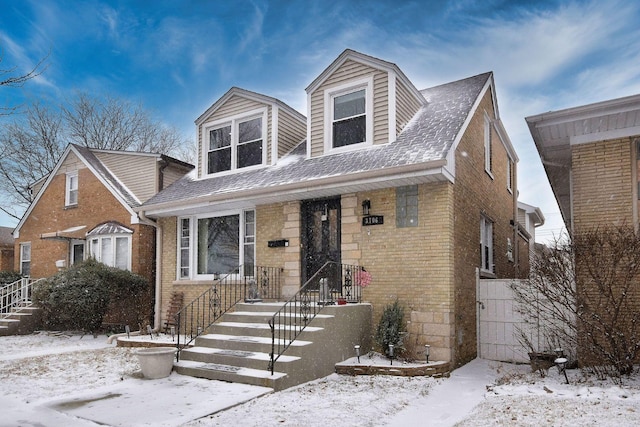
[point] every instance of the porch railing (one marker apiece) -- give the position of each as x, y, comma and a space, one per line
250, 283
15, 296
332, 283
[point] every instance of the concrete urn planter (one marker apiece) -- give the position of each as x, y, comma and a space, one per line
156, 362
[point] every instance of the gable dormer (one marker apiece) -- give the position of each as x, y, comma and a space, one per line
357, 102
245, 130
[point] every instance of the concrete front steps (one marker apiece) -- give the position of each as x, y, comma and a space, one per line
20, 321
237, 348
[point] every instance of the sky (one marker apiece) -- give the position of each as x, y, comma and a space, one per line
178, 58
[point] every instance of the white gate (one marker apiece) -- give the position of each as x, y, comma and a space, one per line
496, 322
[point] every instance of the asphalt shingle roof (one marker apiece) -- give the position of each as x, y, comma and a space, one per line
427, 137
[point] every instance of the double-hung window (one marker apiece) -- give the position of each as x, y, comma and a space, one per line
348, 110
486, 244
235, 144
71, 189
216, 245
25, 259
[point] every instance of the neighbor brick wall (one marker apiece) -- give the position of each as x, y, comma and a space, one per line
96, 205
7, 262
603, 184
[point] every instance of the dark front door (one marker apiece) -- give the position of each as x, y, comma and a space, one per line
320, 235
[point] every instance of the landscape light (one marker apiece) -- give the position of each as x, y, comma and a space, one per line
427, 348
357, 349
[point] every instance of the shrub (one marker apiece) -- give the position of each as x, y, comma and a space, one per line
9, 277
391, 329
78, 298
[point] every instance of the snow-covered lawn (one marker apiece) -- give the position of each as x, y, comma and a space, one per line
36, 371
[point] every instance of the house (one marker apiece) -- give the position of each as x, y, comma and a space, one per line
416, 186
6, 249
591, 155
530, 218
85, 207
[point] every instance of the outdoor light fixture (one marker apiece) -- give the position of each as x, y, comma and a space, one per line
427, 348
391, 352
127, 329
561, 362
150, 331
559, 352
366, 207
357, 349
199, 330
173, 332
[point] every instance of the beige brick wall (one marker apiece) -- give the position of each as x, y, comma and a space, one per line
476, 194
603, 184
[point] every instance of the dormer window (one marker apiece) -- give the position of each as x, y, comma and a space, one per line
349, 119
349, 115
235, 144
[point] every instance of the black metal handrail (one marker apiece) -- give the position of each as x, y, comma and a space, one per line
332, 283
246, 283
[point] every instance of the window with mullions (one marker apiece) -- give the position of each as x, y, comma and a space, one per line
221, 244
235, 145
349, 119
407, 206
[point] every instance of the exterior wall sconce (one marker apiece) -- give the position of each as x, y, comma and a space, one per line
427, 349
366, 207
357, 349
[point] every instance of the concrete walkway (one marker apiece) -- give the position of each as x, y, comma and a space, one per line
452, 400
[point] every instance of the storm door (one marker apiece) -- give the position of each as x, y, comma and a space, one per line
320, 235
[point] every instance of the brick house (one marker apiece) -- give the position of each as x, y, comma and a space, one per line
417, 186
6, 249
85, 207
591, 155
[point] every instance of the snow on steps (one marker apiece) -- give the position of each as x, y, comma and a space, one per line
237, 348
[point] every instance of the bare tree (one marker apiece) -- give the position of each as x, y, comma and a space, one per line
584, 296
10, 77
31, 145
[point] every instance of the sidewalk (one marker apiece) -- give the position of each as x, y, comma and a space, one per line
452, 400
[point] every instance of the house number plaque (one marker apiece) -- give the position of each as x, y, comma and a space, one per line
373, 220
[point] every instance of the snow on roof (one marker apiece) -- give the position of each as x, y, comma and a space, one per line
426, 139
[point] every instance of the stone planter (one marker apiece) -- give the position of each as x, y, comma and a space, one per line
156, 362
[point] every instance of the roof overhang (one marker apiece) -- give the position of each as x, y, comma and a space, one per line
435, 171
555, 132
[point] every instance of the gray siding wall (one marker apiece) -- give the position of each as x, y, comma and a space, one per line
406, 107
291, 132
137, 172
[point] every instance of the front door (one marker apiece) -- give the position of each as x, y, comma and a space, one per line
320, 234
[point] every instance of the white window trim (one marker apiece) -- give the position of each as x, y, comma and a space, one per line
22, 260
193, 242
487, 145
113, 237
510, 165
67, 189
344, 89
233, 121
489, 242
179, 249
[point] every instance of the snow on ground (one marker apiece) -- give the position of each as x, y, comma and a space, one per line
83, 381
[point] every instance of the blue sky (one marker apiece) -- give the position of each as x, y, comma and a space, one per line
178, 57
